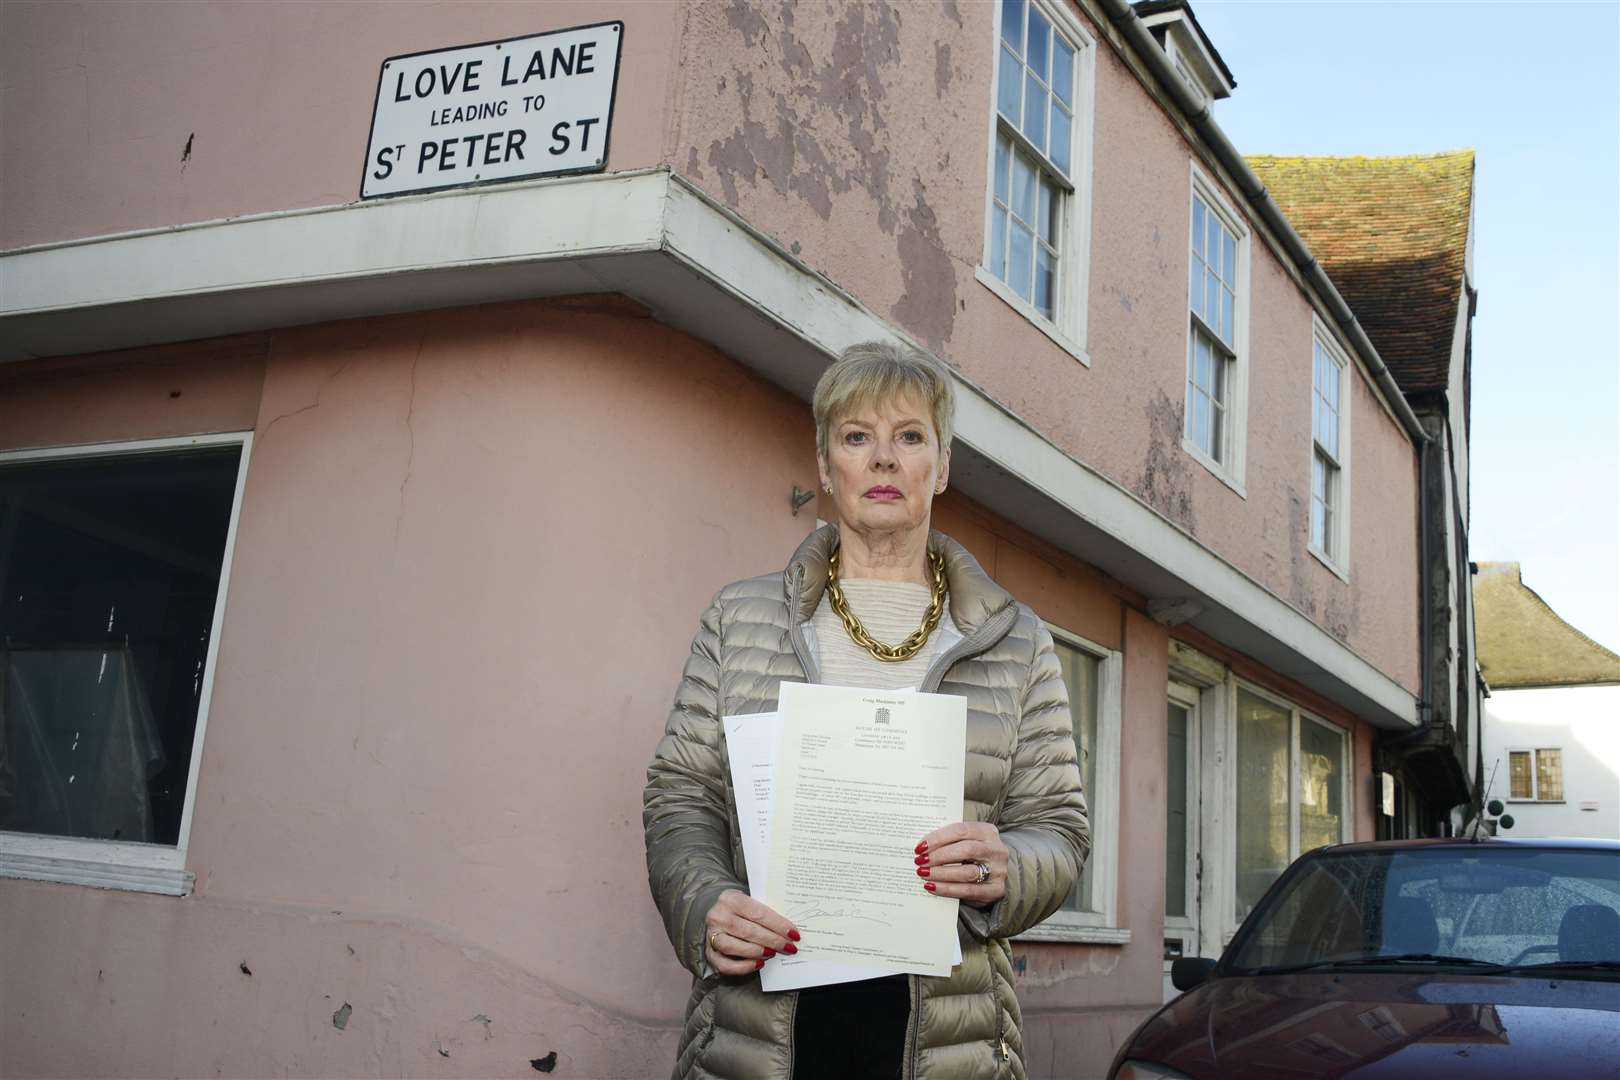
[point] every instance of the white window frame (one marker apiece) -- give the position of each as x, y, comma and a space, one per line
1297, 717
1337, 558
115, 864
1070, 292
1100, 927
1535, 774
1232, 471
1191, 924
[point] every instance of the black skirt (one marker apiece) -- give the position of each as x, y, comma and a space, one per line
852, 1031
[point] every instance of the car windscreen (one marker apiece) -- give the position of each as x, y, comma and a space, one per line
1483, 905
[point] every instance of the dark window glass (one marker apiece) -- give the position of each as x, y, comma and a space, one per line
109, 569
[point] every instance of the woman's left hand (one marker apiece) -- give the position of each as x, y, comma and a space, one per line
948, 861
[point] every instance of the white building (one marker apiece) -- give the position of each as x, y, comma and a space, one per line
1552, 721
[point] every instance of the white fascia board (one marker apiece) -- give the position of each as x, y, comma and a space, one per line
697, 266
567, 219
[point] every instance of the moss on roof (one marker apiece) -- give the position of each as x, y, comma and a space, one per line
1392, 234
1522, 642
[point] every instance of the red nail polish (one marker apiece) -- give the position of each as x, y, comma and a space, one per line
921, 860
920, 848
769, 953
923, 871
793, 935
929, 885
790, 948
758, 964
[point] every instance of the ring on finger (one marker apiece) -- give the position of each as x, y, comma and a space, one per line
984, 873
714, 940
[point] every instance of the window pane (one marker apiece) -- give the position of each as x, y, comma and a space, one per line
1198, 226
1003, 163
1519, 774
1262, 797
1217, 430
1062, 137
1195, 287
1023, 185
1040, 39
1046, 219
1203, 364
998, 243
1045, 277
1549, 774
1212, 242
1175, 839
1012, 24
113, 568
1228, 323
1229, 258
1318, 523
1009, 86
1321, 785
1330, 432
1035, 112
1080, 676
1020, 260
1063, 70
1219, 363
1212, 299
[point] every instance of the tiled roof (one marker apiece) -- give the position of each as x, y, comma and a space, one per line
1522, 642
1392, 234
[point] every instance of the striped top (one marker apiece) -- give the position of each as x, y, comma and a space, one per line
891, 611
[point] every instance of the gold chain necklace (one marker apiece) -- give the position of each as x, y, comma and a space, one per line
890, 654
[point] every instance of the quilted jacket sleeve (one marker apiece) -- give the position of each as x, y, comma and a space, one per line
683, 811
1043, 817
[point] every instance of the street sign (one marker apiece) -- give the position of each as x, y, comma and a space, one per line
540, 105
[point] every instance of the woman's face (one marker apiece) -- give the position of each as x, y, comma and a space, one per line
885, 466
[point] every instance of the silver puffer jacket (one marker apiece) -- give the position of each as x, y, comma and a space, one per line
1020, 774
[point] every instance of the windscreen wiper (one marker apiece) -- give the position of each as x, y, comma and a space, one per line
1576, 965
1375, 961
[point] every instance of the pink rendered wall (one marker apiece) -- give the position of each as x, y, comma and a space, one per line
473, 548
857, 135
100, 101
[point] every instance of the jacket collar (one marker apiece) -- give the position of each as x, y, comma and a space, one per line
973, 598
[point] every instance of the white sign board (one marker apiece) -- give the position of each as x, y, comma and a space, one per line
539, 105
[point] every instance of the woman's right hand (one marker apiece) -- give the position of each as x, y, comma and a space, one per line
742, 933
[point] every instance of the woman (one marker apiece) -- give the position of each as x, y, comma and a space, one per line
875, 599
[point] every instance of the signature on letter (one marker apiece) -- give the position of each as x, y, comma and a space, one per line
802, 918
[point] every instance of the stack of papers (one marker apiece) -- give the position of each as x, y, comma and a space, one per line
833, 791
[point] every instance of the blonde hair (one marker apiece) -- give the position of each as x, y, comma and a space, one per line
875, 372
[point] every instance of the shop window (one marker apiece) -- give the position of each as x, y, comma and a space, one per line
1291, 789
1092, 676
111, 567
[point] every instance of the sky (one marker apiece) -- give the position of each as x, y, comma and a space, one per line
1533, 86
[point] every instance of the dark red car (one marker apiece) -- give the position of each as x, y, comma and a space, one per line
1414, 958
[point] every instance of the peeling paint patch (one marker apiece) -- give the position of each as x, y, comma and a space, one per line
482, 1019
746, 20
694, 167
544, 1064
1166, 480
340, 1019
928, 306
437, 1045
185, 154
245, 969
942, 69
952, 13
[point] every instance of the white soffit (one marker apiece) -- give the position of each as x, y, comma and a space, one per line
697, 266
